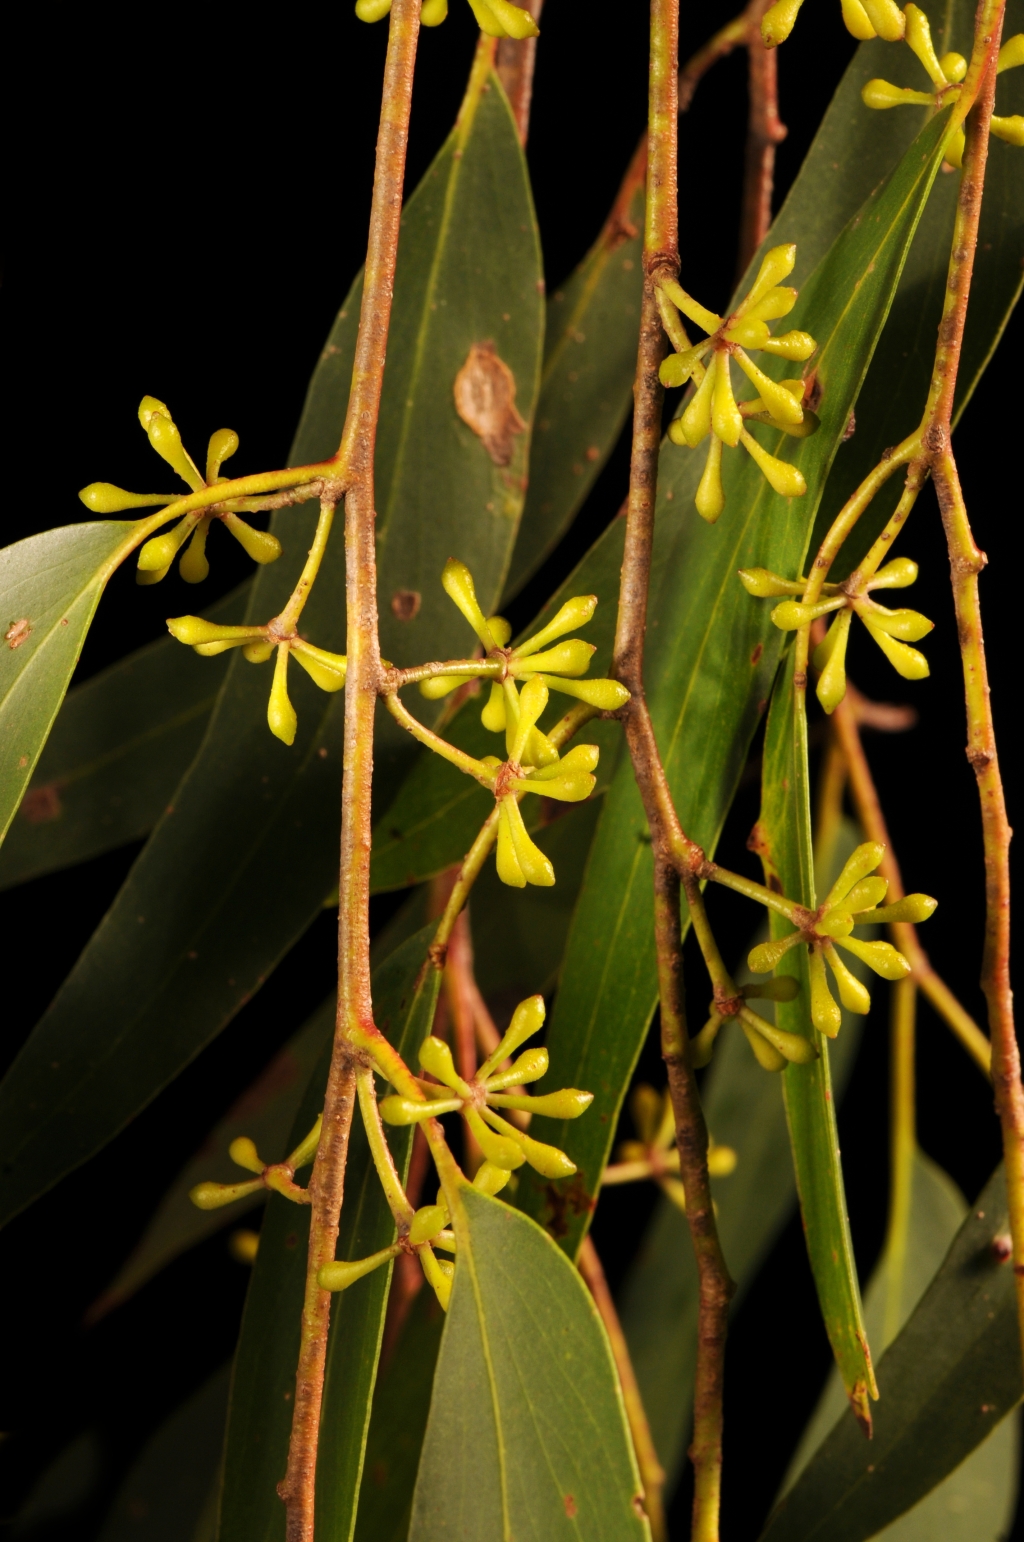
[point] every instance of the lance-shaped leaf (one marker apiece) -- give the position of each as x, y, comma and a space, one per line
120, 746
784, 845
187, 941
593, 322
946, 1382
50, 586
711, 659
527, 1436
259, 1421
744, 1110
977, 1501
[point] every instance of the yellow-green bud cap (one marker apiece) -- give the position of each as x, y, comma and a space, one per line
795, 346
426, 1223
703, 1043
777, 264
778, 301
166, 441
214, 1196
493, 714
695, 422
865, 896
258, 652
721, 1161
854, 996
749, 331
442, 685
915, 908
726, 419
882, 957
907, 625
782, 404
193, 566
498, 1149
575, 612
327, 670
1011, 54
838, 923
898, 574
514, 21
506, 861
886, 18
260, 545
783, 478
161, 551
581, 759
783, 988
281, 718
858, 865
605, 695
532, 702
778, 22
439, 1280
569, 1103
436, 1057
244, 1154
792, 613
340, 1275
244, 1245
569, 787
500, 630
433, 12
105, 498
763, 958
954, 67
372, 10
791, 1046
527, 1019
530, 1067
763, 584
490, 1179
402, 1111
459, 587
917, 33
767, 1056
825, 1013
222, 446
709, 499
880, 94
645, 1107
908, 662
194, 629
676, 368
567, 658
856, 20
547, 1160
830, 658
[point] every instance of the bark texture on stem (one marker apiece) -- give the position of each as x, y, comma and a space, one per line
765, 130
355, 1007
514, 63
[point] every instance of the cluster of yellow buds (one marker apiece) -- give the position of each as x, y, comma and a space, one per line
892, 630
279, 1176
497, 18
773, 1048
945, 75
655, 1154
863, 18
258, 643
532, 762
156, 556
713, 408
504, 1146
855, 899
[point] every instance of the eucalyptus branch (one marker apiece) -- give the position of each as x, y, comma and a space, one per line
355, 1007
765, 130
514, 62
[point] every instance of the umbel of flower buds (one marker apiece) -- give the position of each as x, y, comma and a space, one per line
713, 410
495, 18
157, 554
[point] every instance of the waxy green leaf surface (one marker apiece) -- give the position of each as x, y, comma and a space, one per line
527, 1436
184, 941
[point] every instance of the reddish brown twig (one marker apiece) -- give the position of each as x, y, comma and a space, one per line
514, 64
765, 130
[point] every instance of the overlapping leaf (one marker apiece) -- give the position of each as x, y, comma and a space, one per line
946, 1382
259, 1422
527, 1436
186, 942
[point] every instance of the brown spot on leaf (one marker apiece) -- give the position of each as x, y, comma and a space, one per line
405, 604
570, 1506
41, 804
485, 399
17, 632
755, 657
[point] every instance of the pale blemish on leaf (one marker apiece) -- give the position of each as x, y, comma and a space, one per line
485, 399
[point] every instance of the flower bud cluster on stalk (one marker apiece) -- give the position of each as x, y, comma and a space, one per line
495, 18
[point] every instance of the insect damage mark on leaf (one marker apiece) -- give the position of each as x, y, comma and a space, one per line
485, 399
17, 632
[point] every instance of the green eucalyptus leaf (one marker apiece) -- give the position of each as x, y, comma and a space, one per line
744, 1110
712, 653
259, 1422
186, 942
593, 322
784, 846
946, 1383
120, 746
168, 1494
976, 1502
527, 1435
50, 586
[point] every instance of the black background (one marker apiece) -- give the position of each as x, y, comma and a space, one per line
186, 209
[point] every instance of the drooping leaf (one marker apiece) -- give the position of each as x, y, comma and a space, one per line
593, 322
260, 1417
976, 1502
744, 1110
712, 654
120, 746
946, 1382
784, 845
50, 586
167, 1495
265, 1112
185, 942
527, 1436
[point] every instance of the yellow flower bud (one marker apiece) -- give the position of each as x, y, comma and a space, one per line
914, 908
372, 10
788, 481
105, 498
567, 1104
763, 958
781, 403
907, 625
838, 923
880, 94
791, 1046
793, 613
166, 441
258, 652
439, 1280
763, 584
148, 408
533, 864
193, 629
260, 545
527, 1019
702, 1044
498, 1149
214, 1196
339, 1275
865, 896
575, 612
778, 301
645, 1107
852, 993
1009, 129
1011, 54
676, 368
436, 1057
886, 18
244, 1245
882, 957
767, 1056
568, 658
433, 12
531, 704
606, 695
490, 1179
705, 319
327, 670
830, 658
953, 67
721, 1161
856, 20
426, 1223
825, 1013
726, 419
459, 587
778, 22
796, 346
442, 685
776, 264
493, 714
907, 662
506, 861
783, 988
858, 865
709, 499
281, 718
898, 574
918, 36
222, 446
404, 1111
161, 550
572, 787
244, 1154
193, 566
748, 331
514, 21
500, 630
530, 1067
695, 422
